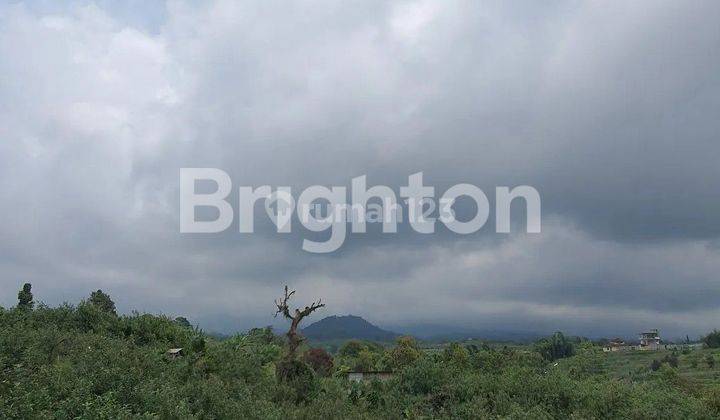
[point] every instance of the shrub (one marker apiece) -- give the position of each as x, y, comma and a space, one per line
423, 377
712, 340
351, 348
710, 360
589, 361
25, 297
555, 347
102, 301
405, 352
299, 377
671, 359
366, 361
183, 322
457, 355
319, 360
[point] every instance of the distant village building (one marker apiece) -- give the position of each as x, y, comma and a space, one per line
174, 353
370, 375
649, 340
616, 344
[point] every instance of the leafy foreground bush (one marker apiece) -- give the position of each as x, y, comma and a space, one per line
712, 340
85, 362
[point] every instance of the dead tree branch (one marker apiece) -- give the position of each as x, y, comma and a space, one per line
294, 338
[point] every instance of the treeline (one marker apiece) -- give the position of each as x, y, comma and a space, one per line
86, 361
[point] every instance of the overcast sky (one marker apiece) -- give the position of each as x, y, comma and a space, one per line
609, 109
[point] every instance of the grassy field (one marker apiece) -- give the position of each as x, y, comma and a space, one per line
635, 364
628, 364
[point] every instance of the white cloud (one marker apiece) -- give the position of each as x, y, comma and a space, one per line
606, 109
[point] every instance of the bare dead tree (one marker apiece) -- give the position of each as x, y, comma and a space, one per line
294, 338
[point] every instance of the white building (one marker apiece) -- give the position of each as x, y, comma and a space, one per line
649, 340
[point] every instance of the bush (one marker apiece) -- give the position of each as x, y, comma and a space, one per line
710, 360
351, 348
456, 355
320, 361
300, 378
671, 359
588, 362
555, 347
712, 340
405, 352
102, 301
423, 377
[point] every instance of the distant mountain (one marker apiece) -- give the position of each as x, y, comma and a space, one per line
346, 327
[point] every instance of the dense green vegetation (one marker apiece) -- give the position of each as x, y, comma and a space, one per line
86, 361
712, 340
555, 347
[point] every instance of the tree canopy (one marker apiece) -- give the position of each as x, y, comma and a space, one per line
557, 346
102, 301
25, 297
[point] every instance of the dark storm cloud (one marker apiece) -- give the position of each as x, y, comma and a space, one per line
608, 109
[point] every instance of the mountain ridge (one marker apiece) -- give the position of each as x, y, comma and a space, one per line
347, 327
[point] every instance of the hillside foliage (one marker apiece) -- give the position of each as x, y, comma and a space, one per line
712, 340
85, 361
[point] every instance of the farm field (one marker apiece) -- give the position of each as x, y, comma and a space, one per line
693, 365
